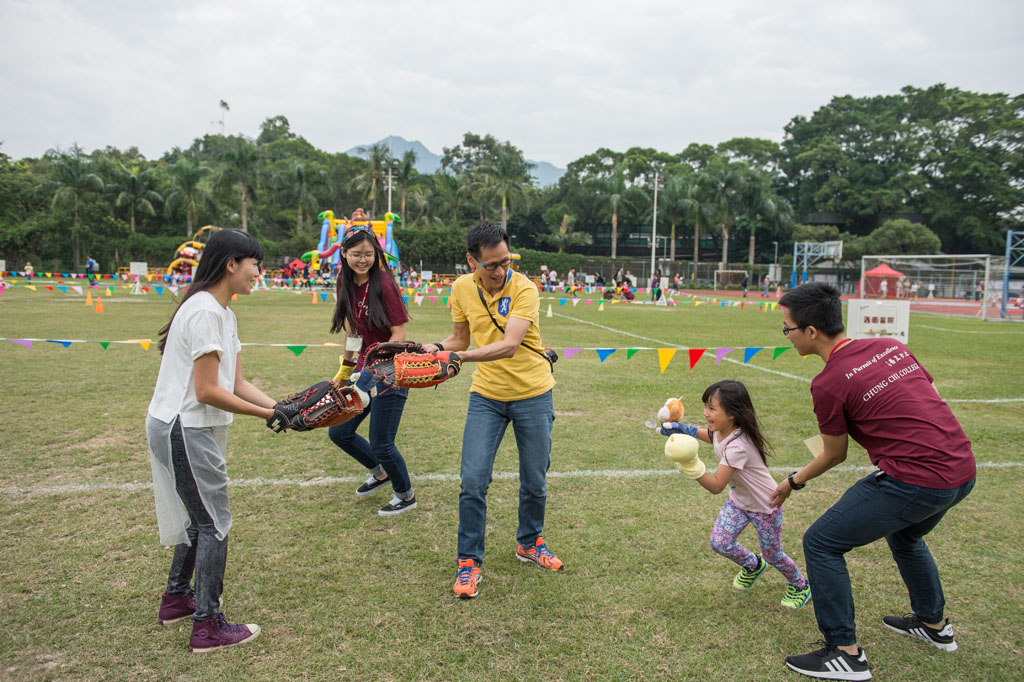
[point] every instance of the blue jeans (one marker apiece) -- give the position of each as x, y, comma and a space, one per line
874, 507
486, 421
385, 412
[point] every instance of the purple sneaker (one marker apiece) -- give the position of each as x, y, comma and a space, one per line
175, 608
214, 633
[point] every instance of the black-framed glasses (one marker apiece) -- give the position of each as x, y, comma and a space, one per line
491, 267
786, 330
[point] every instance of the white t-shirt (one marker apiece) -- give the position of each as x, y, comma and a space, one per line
752, 485
200, 326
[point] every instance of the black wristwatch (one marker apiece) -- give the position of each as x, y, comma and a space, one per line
793, 484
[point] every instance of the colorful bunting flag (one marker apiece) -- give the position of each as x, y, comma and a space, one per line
749, 353
695, 355
721, 353
569, 352
664, 357
603, 353
296, 349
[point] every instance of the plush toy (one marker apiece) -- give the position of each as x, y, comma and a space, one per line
682, 450
672, 410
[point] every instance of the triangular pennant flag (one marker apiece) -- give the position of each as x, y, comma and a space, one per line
78, 290
432, 298
600, 307
104, 344
174, 291
419, 299
779, 350
47, 286
110, 291
774, 305
721, 353
575, 302
749, 353
569, 352
405, 300
22, 342
160, 292
695, 355
64, 289
665, 357
561, 301
696, 303
723, 304
296, 349
586, 302
630, 352
323, 296
29, 286
63, 343
145, 346
549, 311
603, 353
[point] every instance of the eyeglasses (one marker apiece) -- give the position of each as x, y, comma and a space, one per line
786, 330
491, 267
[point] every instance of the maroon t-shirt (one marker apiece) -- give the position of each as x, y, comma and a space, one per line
393, 305
875, 390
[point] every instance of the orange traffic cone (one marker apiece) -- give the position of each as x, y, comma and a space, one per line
99, 304
314, 297
88, 298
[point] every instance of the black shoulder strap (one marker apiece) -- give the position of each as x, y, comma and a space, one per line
501, 329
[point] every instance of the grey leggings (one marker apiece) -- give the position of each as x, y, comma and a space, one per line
204, 554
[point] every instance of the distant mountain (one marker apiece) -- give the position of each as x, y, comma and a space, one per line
428, 162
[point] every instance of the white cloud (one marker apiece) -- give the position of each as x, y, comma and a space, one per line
558, 79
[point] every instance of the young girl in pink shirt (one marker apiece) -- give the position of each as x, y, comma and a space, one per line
741, 450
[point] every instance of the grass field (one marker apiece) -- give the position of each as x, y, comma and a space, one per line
344, 594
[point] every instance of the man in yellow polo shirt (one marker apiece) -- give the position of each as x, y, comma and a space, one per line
500, 309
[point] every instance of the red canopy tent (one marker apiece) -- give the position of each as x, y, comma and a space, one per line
871, 286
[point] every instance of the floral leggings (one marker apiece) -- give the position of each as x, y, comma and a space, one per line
730, 523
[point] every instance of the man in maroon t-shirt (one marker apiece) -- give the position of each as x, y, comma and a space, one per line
876, 392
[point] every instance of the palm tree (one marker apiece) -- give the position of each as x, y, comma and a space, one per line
617, 194
298, 183
764, 204
564, 236
188, 192
371, 180
240, 167
677, 205
406, 171
507, 177
135, 191
74, 178
723, 190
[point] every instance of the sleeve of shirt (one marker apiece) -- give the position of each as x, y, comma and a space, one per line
829, 410
202, 334
526, 304
931, 379
458, 312
394, 306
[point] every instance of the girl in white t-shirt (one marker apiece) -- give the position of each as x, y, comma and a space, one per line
199, 388
741, 449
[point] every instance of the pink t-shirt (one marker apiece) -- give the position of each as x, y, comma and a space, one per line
752, 485
875, 390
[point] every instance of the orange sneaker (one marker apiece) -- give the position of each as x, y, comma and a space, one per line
467, 578
540, 555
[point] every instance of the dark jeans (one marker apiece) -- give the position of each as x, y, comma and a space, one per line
486, 421
876, 506
385, 413
206, 556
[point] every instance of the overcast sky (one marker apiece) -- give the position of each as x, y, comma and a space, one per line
557, 79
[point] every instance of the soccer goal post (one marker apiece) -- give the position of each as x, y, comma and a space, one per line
962, 285
729, 279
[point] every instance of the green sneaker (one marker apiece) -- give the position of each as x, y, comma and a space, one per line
795, 598
744, 579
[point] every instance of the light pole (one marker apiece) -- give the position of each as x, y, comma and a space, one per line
654, 222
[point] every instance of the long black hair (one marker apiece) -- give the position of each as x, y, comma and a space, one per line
224, 246
735, 401
380, 277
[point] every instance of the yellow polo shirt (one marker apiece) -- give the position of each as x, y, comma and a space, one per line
524, 375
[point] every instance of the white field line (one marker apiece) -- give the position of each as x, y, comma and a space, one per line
443, 478
966, 331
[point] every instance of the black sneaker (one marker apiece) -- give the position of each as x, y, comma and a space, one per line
397, 506
831, 663
372, 483
912, 625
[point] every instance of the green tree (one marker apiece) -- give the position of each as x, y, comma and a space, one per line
723, 191
298, 183
371, 180
188, 192
406, 178
73, 177
507, 177
134, 189
677, 206
240, 167
615, 193
561, 235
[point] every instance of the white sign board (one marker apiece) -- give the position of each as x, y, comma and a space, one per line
871, 318
3, 266
427, 275
140, 268
589, 278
